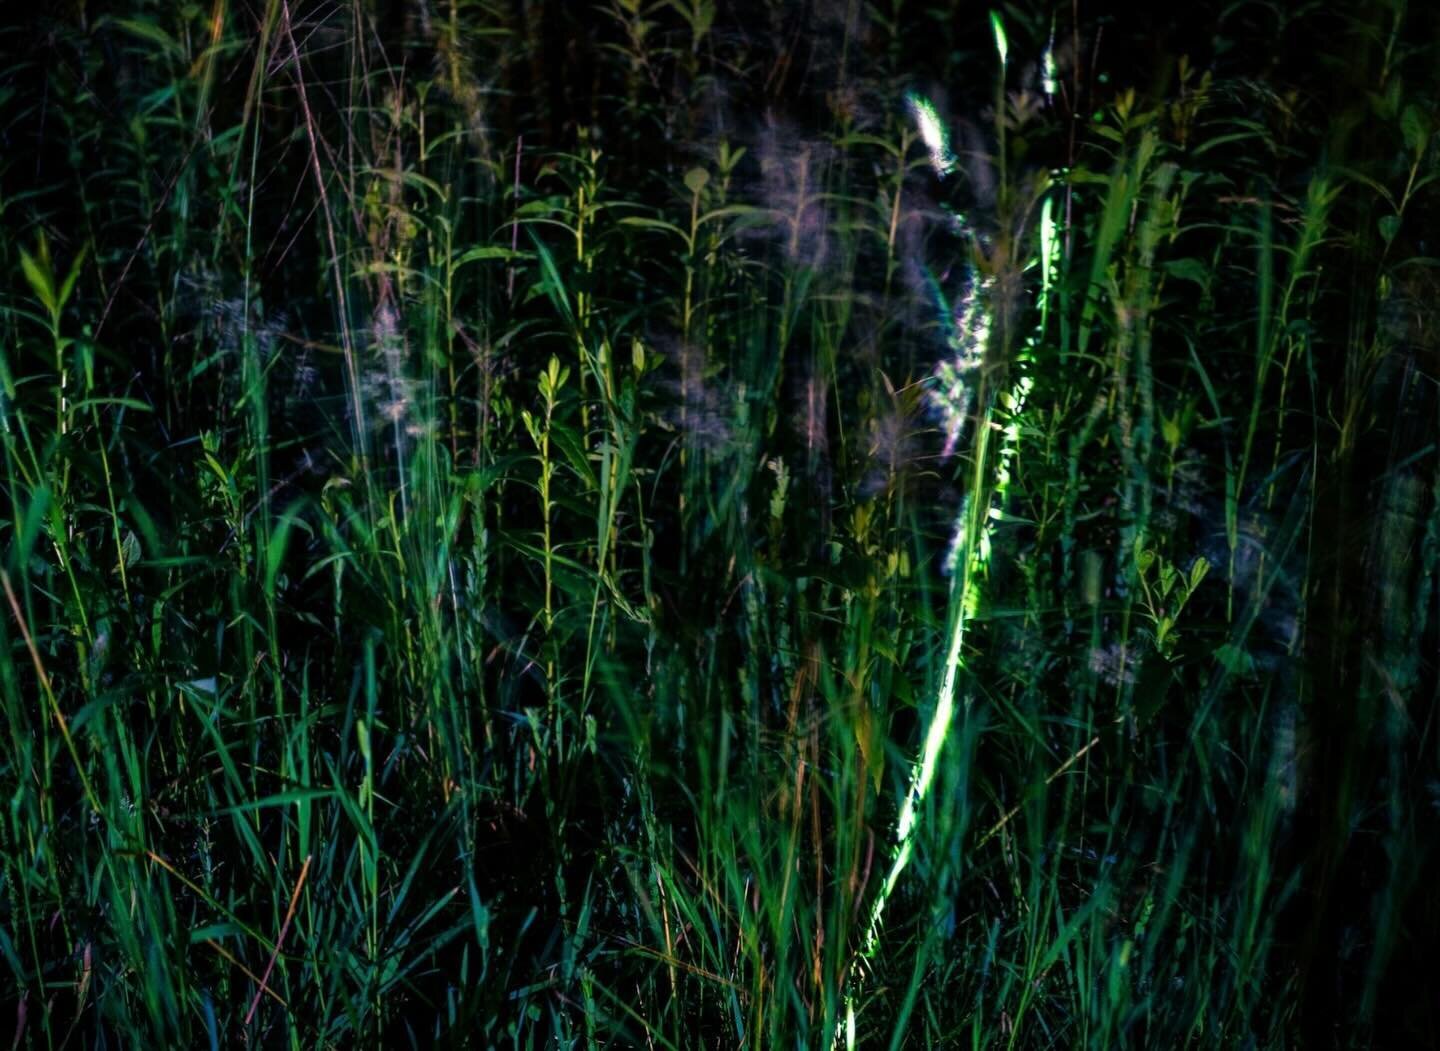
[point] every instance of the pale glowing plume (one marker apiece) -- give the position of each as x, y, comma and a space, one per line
967, 333
932, 133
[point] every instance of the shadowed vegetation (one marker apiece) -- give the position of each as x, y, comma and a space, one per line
671, 524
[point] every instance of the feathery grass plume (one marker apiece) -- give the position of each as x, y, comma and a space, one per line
933, 133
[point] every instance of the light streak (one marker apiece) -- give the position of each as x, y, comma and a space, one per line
971, 546
1050, 75
1002, 46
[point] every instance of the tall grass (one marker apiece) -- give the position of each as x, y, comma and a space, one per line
686, 524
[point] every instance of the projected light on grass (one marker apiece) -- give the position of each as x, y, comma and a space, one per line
969, 329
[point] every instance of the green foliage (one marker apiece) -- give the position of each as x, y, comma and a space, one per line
647, 524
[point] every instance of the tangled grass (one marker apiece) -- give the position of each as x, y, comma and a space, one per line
680, 524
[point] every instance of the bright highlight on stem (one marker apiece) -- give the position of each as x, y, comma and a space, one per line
1050, 76
973, 546
970, 551
1001, 45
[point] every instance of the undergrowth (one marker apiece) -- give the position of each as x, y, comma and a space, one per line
664, 523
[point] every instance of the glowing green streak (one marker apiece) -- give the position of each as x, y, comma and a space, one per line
967, 585
1001, 46
1050, 78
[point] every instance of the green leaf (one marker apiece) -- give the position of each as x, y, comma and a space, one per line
1198, 571
1168, 578
153, 34
568, 442
124, 403
41, 281
1188, 270
655, 224
487, 252
68, 286
696, 179
130, 549
1415, 127
552, 283
294, 795
1235, 660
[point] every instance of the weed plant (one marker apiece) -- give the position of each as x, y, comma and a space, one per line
677, 524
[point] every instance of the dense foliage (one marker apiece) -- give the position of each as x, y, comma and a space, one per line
672, 523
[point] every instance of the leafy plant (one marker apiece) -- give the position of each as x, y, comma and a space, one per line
689, 524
